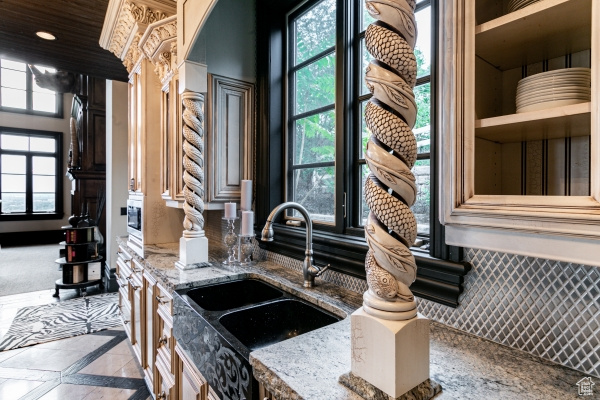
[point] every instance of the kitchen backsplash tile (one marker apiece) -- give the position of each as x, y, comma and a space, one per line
548, 308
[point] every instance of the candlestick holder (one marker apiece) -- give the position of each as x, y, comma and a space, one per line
230, 241
246, 249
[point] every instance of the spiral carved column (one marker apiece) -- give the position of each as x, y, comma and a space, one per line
193, 163
390, 189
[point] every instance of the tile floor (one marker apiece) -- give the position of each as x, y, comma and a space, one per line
101, 365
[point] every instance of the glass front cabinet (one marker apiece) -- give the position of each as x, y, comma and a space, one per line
520, 151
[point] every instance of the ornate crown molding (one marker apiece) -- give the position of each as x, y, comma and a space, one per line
159, 45
126, 21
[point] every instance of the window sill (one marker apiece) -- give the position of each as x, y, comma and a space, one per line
30, 217
437, 280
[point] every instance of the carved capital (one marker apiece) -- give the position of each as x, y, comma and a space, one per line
145, 15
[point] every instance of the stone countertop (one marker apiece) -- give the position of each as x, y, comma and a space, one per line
309, 366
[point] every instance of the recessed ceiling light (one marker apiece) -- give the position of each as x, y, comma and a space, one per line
46, 35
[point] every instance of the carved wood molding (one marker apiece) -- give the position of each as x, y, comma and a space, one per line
159, 45
125, 23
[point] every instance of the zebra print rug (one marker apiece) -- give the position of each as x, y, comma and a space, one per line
40, 324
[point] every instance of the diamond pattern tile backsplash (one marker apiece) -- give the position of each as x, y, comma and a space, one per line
547, 308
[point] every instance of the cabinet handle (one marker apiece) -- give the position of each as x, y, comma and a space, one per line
161, 396
163, 340
161, 301
133, 284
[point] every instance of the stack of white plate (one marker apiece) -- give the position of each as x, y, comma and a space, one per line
556, 88
514, 5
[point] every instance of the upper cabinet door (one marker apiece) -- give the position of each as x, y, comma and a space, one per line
519, 117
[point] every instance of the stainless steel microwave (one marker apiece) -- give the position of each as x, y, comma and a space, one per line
134, 217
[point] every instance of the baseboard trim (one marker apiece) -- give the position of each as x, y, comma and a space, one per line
12, 239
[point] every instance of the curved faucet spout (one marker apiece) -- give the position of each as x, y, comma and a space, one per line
309, 270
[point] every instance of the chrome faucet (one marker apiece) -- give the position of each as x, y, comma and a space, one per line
309, 270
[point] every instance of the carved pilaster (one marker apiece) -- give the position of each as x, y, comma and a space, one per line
390, 115
193, 163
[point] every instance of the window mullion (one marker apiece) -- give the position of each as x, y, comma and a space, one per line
343, 126
29, 183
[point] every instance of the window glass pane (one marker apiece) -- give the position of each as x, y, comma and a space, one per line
44, 102
423, 139
365, 132
423, 45
14, 142
366, 18
364, 208
13, 183
14, 98
315, 85
44, 166
422, 206
423, 99
315, 139
13, 202
44, 202
13, 164
43, 183
314, 189
315, 31
19, 66
365, 58
44, 144
14, 79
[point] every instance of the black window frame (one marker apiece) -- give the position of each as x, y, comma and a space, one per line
441, 269
58, 113
29, 214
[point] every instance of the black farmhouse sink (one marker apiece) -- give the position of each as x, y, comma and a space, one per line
220, 324
235, 294
274, 322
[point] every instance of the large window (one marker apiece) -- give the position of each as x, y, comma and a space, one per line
30, 175
326, 94
311, 62
19, 91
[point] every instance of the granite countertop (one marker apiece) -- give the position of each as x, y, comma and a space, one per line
309, 366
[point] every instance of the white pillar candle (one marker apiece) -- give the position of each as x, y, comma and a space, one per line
230, 210
247, 223
246, 200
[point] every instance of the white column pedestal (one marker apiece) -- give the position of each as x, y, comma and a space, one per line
391, 355
193, 252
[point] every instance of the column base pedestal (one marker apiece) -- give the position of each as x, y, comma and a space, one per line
393, 356
193, 252
423, 391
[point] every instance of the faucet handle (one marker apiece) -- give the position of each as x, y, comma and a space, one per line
322, 269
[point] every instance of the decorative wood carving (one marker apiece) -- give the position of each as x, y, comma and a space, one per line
193, 162
159, 44
390, 115
127, 21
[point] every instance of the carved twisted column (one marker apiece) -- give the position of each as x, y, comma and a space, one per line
193, 163
391, 153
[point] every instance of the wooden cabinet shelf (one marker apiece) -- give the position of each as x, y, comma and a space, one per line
541, 31
525, 183
553, 123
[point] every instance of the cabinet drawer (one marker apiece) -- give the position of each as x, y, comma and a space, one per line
165, 305
166, 379
126, 317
